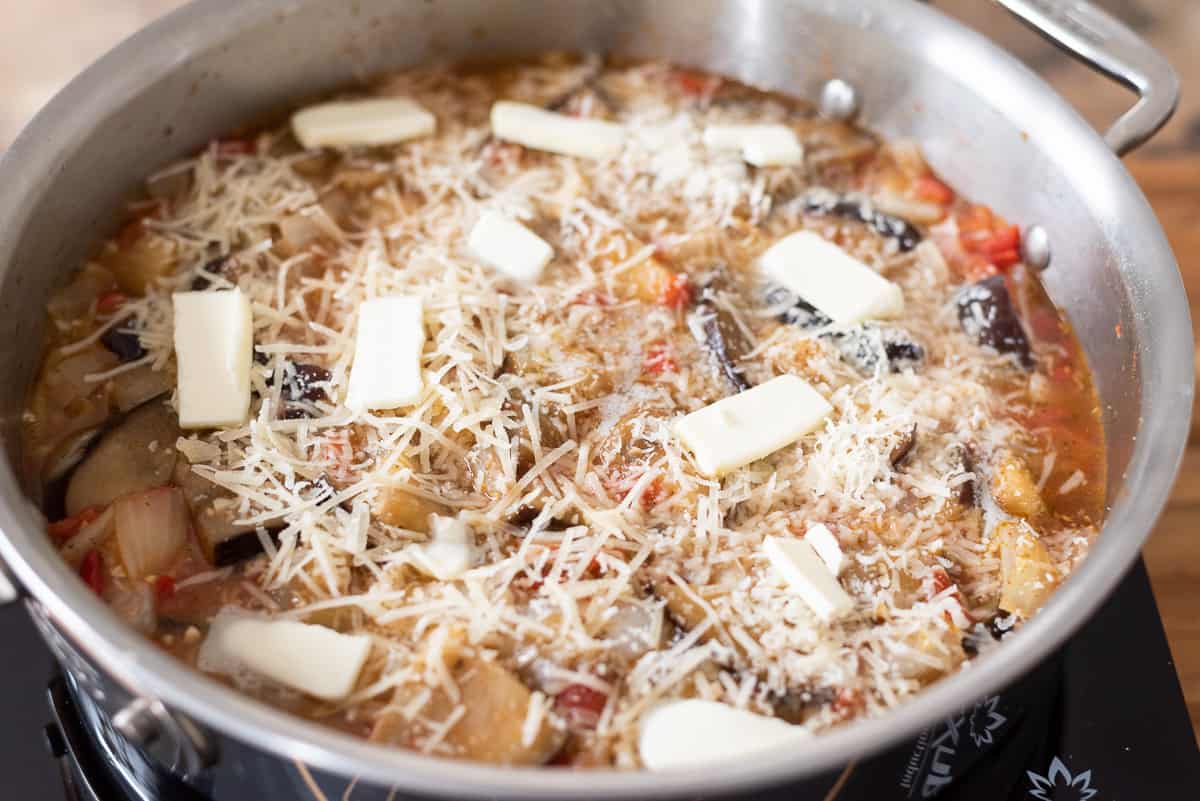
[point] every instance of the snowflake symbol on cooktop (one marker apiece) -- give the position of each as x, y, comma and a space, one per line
1059, 785
984, 720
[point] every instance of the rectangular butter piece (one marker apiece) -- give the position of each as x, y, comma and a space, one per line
539, 129
305, 657
807, 576
510, 247
766, 145
371, 121
826, 276
214, 343
737, 430
386, 373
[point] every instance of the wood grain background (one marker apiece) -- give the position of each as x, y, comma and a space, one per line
43, 44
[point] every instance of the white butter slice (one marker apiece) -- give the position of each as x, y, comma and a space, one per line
827, 547
373, 121
807, 576
695, 733
450, 551
827, 277
214, 343
509, 246
387, 354
737, 430
557, 133
312, 659
760, 145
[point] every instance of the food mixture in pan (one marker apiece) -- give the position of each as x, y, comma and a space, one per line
566, 413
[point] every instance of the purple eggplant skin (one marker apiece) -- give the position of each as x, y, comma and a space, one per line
864, 347
987, 315
300, 381
902, 231
801, 313
241, 547
719, 337
904, 446
213, 268
123, 342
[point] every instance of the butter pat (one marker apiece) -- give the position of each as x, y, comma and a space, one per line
694, 733
807, 576
557, 133
737, 430
387, 354
827, 547
760, 145
824, 275
450, 551
214, 342
509, 247
372, 121
312, 659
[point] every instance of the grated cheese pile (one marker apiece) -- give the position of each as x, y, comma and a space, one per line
604, 560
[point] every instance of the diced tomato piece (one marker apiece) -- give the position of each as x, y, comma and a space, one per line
984, 234
931, 190
336, 451
941, 580
164, 588
678, 292
91, 570
581, 705
63, 530
973, 219
1006, 258
109, 302
1006, 237
847, 702
660, 358
652, 495
696, 84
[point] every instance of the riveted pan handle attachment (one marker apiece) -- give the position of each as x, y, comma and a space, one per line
1106, 44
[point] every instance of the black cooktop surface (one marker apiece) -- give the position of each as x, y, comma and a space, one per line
1103, 719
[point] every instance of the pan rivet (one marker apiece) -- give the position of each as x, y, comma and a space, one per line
1035, 247
839, 100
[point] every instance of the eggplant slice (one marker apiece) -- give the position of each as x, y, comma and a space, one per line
123, 340
136, 454
987, 315
223, 541
719, 335
864, 347
902, 231
800, 312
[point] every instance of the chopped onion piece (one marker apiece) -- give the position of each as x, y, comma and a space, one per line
88, 538
151, 530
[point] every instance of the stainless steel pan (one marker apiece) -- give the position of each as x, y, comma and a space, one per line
988, 124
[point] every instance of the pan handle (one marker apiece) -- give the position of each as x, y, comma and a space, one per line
1106, 44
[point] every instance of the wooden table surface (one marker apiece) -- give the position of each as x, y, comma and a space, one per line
44, 44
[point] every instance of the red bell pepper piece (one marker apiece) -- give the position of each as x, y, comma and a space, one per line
91, 570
